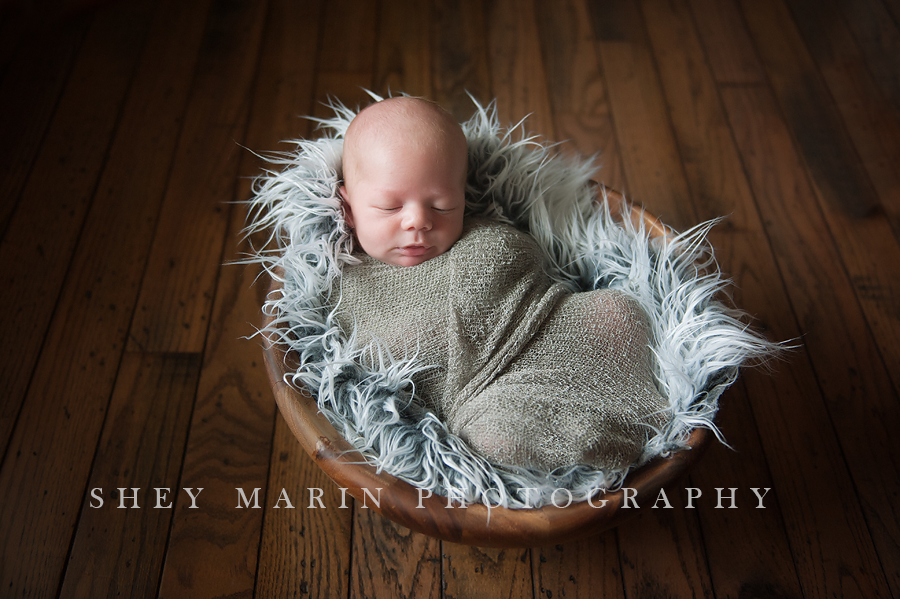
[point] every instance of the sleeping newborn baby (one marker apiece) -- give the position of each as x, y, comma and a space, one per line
525, 371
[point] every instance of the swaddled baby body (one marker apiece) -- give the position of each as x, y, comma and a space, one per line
525, 371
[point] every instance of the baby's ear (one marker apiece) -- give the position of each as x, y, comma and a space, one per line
348, 215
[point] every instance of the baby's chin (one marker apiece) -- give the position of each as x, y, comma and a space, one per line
410, 257
406, 260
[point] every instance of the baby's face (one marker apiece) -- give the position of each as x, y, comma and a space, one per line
406, 205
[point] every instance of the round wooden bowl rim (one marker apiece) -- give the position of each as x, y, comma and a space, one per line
476, 524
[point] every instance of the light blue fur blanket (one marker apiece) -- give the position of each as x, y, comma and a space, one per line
697, 341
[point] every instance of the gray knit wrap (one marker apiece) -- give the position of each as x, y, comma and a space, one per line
525, 371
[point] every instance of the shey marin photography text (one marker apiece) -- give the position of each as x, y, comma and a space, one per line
314, 498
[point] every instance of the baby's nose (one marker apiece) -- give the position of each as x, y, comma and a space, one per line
416, 217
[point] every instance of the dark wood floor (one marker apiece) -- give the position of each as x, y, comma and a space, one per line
123, 132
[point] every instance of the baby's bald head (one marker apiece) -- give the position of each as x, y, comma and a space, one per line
415, 123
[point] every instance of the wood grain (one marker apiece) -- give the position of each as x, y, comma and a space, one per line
802, 263
389, 560
50, 52
345, 70
62, 416
721, 24
868, 252
845, 194
870, 120
484, 572
229, 444
302, 551
748, 550
849, 372
679, 563
305, 551
459, 52
58, 193
718, 186
586, 568
404, 48
654, 175
118, 549
877, 35
518, 76
893, 7
818, 497
710, 161
659, 553
232, 426
180, 277
576, 86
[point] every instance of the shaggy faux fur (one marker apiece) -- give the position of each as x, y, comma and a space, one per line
697, 342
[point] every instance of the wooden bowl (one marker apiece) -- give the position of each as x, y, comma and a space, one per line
473, 525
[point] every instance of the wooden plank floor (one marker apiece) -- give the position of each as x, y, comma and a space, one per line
128, 133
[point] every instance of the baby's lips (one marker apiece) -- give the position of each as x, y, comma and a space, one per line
414, 250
